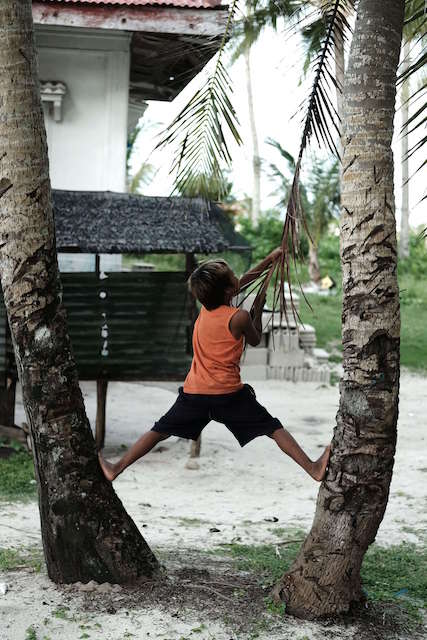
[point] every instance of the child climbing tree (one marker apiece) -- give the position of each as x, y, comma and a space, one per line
325, 578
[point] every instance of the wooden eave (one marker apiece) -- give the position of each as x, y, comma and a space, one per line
169, 45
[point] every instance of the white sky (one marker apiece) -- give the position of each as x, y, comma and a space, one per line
276, 71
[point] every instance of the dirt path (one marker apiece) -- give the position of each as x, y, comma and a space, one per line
251, 495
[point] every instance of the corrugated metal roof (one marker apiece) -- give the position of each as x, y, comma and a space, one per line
192, 4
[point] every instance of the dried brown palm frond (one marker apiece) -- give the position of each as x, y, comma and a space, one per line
321, 119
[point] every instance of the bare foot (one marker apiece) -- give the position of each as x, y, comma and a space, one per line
319, 467
108, 469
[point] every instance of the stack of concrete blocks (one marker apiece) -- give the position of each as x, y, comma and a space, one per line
287, 350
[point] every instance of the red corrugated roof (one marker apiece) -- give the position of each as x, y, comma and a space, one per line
193, 4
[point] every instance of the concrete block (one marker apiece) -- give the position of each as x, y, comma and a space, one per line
286, 359
251, 372
321, 355
284, 340
254, 356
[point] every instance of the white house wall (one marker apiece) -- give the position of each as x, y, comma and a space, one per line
87, 148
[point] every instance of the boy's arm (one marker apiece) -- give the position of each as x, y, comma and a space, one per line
242, 324
256, 271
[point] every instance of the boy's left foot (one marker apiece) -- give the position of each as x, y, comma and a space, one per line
319, 467
108, 469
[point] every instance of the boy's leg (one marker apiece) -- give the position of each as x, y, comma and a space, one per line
288, 444
142, 446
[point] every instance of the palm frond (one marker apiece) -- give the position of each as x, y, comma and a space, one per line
312, 35
414, 32
198, 132
285, 154
320, 119
142, 177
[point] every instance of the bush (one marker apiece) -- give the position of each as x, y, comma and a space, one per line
416, 264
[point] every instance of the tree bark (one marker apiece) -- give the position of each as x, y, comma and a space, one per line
86, 532
256, 160
325, 578
404, 221
313, 263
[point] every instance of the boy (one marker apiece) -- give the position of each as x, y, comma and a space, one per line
212, 389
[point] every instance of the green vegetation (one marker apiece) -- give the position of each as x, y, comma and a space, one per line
30, 633
24, 558
398, 572
17, 475
393, 575
325, 314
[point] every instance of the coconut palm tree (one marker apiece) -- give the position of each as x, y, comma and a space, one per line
245, 42
325, 577
87, 534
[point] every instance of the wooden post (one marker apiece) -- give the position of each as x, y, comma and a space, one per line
101, 402
195, 448
190, 265
7, 403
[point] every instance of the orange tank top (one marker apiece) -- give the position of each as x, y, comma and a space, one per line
216, 354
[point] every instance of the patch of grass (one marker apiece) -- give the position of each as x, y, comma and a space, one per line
25, 558
192, 522
334, 379
30, 633
263, 559
63, 613
396, 575
326, 319
17, 475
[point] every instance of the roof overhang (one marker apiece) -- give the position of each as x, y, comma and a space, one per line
161, 19
169, 45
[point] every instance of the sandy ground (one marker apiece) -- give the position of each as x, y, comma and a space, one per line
240, 492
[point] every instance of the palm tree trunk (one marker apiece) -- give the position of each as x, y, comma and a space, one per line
404, 222
313, 263
325, 578
86, 532
256, 160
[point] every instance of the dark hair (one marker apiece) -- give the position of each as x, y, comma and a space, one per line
209, 281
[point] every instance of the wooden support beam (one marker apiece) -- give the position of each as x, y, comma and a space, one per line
200, 22
101, 403
195, 448
190, 265
7, 403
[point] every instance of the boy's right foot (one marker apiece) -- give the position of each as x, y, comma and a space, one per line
319, 467
109, 470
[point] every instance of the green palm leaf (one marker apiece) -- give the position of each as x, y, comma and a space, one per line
414, 30
198, 133
320, 119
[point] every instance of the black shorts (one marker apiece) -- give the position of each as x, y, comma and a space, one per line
240, 412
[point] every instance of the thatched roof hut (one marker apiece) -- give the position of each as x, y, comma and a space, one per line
106, 222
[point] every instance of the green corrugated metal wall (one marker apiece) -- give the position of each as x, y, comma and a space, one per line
127, 326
